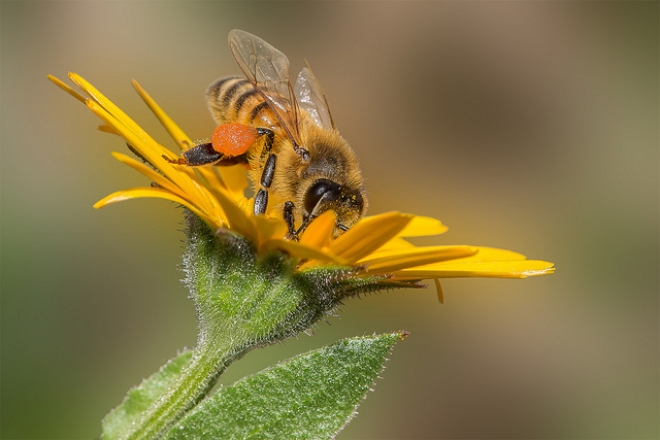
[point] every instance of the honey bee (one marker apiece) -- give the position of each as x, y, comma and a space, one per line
298, 162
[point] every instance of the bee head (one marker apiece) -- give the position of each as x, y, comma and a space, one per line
324, 194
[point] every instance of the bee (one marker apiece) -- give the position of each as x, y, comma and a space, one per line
298, 162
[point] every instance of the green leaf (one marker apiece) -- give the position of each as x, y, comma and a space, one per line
120, 420
310, 396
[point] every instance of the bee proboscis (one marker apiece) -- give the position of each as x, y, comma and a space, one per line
298, 162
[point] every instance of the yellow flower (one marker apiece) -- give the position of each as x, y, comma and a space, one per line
374, 246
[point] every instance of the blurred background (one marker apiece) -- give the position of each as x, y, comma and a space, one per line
528, 126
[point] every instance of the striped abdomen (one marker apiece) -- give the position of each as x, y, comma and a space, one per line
234, 99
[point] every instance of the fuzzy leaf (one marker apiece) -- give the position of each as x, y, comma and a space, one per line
120, 420
310, 396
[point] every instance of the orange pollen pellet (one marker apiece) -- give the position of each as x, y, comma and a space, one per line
233, 139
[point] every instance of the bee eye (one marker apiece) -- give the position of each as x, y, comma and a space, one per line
316, 191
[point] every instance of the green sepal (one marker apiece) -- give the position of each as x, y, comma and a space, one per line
118, 422
255, 300
311, 396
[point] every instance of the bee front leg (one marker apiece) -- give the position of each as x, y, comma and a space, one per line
261, 199
289, 219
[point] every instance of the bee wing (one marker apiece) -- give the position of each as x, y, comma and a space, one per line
268, 70
310, 97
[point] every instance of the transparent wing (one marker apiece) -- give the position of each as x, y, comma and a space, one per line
311, 98
268, 70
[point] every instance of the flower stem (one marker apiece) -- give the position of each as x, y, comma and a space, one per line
195, 382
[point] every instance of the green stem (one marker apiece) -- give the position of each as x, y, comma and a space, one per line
195, 382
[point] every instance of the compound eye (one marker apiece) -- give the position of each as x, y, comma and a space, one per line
316, 191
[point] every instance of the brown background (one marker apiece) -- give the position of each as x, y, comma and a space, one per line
528, 126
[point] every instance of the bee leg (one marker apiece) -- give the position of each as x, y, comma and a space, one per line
261, 200
202, 154
270, 138
292, 232
137, 154
289, 220
306, 221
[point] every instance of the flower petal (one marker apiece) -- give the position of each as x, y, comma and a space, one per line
59, 83
395, 260
150, 149
208, 177
318, 233
368, 235
439, 291
179, 136
270, 228
105, 128
238, 219
492, 254
172, 128
397, 243
150, 173
108, 105
499, 269
145, 145
421, 226
235, 179
136, 193
299, 250
132, 132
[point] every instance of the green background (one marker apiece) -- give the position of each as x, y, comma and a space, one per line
528, 126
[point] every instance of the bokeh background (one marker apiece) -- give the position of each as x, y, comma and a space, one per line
531, 126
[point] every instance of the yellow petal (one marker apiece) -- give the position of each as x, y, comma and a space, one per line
395, 260
421, 226
108, 105
150, 173
239, 221
499, 269
144, 144
172, 128
149, 149
397, 243
136, 193
270, 227
107, 129
235, 179
136, 136
439, 291
301, 251
183, 177
368, 235
492, 254
210, 178
319, 231
59, 83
